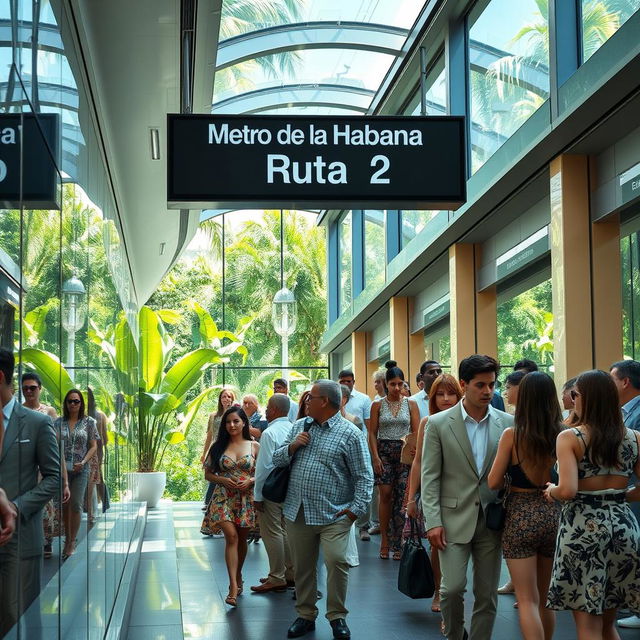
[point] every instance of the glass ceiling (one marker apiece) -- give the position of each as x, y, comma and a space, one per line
307, 56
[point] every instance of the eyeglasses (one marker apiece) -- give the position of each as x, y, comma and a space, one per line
434, 373
574, 394
30, 387
73, 401
310, 397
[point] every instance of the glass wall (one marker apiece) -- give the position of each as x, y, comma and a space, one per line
509, 70
65, 295
630, 263
344, 261
601, 19
374, 248
437, 344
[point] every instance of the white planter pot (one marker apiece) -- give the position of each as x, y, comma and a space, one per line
148, 487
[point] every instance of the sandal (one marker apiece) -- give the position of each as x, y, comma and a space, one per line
435, 603
384, 553
231, 599
240, 587
397, 554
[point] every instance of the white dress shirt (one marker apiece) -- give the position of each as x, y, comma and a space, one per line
422, 400
272, 438
478, 433
7, 410
359, 405
293, 411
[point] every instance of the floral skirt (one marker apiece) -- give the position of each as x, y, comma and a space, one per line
229, 505
597, 559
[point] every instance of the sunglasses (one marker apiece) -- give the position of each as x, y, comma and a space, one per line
30, 387
73, 401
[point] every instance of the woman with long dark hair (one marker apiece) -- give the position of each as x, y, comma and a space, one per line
392, 418
231, 465
526, 454
445, 392
79, 434
596, 568
302, 405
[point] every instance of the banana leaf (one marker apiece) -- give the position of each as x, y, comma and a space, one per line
188, 370
55, 378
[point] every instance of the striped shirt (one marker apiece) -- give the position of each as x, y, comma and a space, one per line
333, 472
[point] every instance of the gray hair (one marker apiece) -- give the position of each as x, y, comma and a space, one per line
250, 396
379, 374
331, 390
346, 392
280, 403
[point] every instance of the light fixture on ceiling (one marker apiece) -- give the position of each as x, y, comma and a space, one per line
155, 143
162, 246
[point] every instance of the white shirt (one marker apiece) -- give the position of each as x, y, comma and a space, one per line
272, 438
422, 400
478, 433
7, 410
628, 406
293, 411
359, 405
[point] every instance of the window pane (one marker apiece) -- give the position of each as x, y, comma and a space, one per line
374, 248
436, 93
509, 74
601, 19
413, 222
344, 232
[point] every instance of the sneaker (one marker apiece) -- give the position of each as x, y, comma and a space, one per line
632, 622
506, 588
375, 531
364, 535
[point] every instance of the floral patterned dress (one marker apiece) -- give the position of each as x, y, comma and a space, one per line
597, 560
231, 505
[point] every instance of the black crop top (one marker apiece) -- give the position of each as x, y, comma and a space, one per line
520, 479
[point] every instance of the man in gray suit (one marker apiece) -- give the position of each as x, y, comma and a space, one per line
29, 446
626, 375
459, 448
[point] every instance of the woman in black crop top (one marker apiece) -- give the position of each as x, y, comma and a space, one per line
531, 524
596, 568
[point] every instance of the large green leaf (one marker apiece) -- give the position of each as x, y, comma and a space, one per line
188, 370
151, 349
126, 356
55, 378
169, 316
209, 335
193, 408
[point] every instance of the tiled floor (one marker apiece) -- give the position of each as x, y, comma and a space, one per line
186, 598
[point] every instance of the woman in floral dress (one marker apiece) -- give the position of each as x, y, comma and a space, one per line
231, 465
596, 567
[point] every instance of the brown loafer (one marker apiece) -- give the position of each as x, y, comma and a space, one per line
265, 587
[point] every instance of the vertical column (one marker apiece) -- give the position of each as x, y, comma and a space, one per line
399, 329
359, 359
571, 266
392, 233
564, 46
607, 292
463, 302
416, 350
372, 367
333, 275
486, 316
357, 252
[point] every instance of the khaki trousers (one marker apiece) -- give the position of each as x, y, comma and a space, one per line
486, 553
274, 536
306, 541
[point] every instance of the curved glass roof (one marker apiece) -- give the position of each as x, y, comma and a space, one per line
307, 56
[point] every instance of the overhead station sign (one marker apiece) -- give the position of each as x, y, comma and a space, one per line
375, 162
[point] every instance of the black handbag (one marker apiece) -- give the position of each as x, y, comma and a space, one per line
415, 576
496, 512
276, 483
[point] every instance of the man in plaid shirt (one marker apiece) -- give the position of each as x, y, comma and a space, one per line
330, 486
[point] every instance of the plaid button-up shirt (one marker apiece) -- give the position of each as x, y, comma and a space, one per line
333, 472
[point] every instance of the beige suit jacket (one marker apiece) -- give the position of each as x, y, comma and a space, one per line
452, 489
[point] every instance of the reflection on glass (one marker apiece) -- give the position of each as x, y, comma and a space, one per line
413, 222
525, 327
509, 71
630, 263
345, 266
601, 19
374, 248
436, 93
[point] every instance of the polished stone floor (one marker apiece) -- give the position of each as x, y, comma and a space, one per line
182, 583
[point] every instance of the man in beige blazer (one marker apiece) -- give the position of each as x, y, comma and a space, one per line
459, 447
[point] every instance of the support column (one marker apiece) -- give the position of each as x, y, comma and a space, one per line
372, 367
463, 302
416, 351
359, 359
399, 330
607, 292
486, 316
571, 267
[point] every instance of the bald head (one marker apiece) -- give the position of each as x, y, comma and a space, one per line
278, 406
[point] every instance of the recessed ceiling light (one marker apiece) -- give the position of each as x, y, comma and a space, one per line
155, 143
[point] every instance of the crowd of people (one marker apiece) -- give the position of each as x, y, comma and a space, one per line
549, 488
49, 468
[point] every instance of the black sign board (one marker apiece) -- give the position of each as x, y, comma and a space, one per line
29, 144
376, 162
